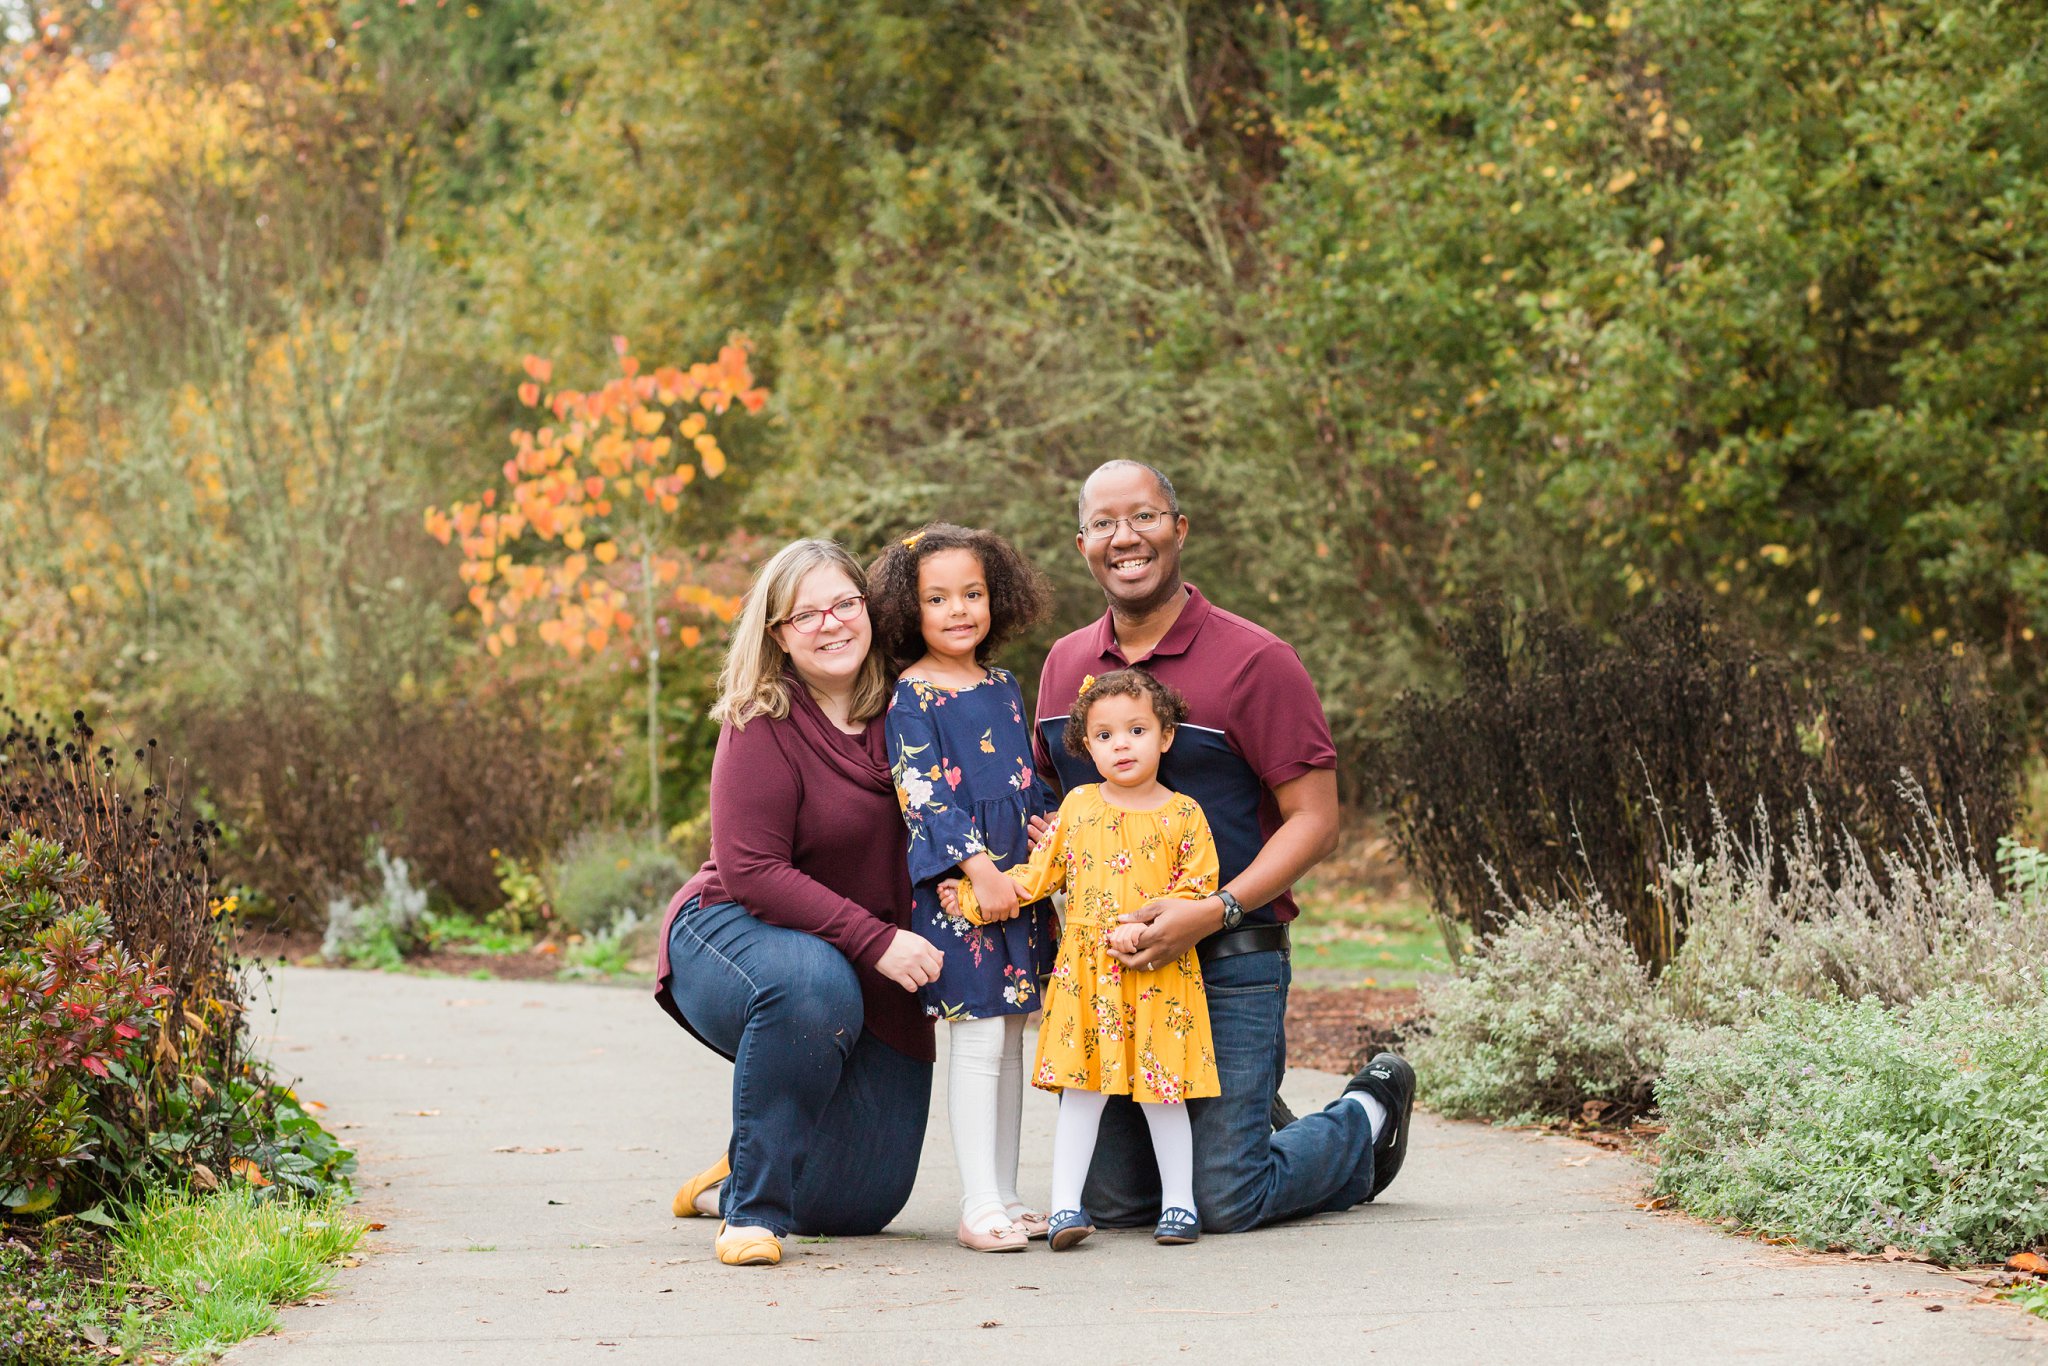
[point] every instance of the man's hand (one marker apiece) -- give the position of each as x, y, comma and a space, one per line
1168, 928
994, 889
910, 961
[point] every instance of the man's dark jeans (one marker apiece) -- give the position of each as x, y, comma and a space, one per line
827, 1122
1246, 1174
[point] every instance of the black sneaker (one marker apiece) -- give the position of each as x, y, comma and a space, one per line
1389, 1080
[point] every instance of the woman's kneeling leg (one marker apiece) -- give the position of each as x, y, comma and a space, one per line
862, 1160
788, 1008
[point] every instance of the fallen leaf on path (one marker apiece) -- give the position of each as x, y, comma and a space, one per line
1654, 1202
374, 1227
524, 1148
1899, 1254
1576, 1161
563, 1291
427, 1114
2031, 1262
991, 1323
315, 1106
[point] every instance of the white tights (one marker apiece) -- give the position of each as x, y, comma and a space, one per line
1073, 1147
985, 1102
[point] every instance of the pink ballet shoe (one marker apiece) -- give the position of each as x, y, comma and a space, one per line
1034, 1224
1003, 1238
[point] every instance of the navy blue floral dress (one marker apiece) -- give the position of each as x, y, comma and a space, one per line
962, 763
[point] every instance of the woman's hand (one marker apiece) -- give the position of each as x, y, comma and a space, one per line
1040, 830
910, 961
995, 890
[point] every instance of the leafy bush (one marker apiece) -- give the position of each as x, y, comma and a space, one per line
1845, 1123
1831, 924
380, 931
526, 907
1568, 766
307, 783
72, 1003
1552, 1011
603, 876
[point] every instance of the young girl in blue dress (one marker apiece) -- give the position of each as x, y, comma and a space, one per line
942, 601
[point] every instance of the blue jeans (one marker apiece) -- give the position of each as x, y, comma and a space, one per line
1246, 1174
827, 1122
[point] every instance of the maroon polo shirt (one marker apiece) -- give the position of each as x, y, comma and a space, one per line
1254, 722
806, 833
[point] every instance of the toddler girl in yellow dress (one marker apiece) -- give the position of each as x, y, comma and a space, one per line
1111, 1030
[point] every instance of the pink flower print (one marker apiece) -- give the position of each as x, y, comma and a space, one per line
953, 777
1120, 861
1046, 1076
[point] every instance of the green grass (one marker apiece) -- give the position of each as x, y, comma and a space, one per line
224, 1262
1385, 942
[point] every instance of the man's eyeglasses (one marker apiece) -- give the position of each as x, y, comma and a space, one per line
1144, 523
811, 622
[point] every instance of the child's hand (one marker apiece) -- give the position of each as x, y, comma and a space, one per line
1040, 829
996, 891
1124, 938
949, 895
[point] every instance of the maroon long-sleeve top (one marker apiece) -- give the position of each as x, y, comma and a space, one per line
806, 833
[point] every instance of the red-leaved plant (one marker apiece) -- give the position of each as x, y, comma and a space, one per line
72, 1000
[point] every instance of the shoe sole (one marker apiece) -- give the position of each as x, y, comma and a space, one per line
1004, 1247
1068, 1237
1384, 1173
1174, 1239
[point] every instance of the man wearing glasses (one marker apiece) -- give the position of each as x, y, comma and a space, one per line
1256, 753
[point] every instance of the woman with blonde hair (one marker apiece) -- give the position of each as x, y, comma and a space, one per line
789, 951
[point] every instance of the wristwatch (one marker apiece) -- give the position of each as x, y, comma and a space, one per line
1233, 910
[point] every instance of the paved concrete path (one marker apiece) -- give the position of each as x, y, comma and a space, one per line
520, 1142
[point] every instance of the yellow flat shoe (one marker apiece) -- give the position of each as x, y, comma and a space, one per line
685, 1203
763, 1249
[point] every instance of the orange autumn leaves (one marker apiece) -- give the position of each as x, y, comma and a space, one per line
573, 542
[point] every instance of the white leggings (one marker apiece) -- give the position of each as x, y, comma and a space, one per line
985, 1102
1073, 1147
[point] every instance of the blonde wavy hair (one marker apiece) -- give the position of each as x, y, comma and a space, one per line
753, 682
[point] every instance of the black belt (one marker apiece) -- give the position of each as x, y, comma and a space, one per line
1243, 939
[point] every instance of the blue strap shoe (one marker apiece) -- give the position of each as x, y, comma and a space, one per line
1177, 1226
1066, 1228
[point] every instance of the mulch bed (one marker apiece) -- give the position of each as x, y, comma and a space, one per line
302, 947
1332, 1028
1338, 1028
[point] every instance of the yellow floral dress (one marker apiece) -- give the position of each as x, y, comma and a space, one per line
1108, 1028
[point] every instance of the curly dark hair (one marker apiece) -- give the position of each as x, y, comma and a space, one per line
1167, 704
1019, 596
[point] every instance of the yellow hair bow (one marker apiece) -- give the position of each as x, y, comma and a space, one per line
912, 539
